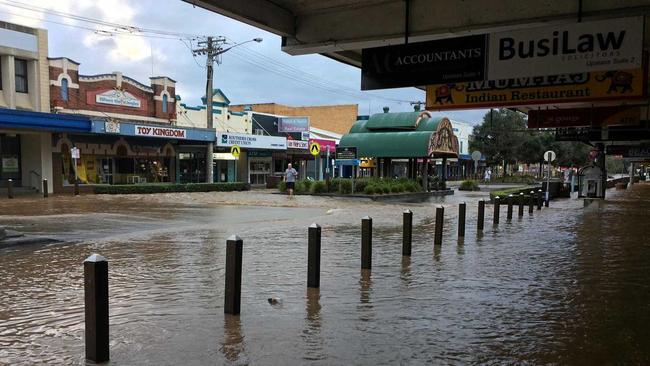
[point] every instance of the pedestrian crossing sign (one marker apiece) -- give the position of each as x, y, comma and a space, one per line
235, 150
314, 148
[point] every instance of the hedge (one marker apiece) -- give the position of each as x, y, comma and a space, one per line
173, 187
469, 185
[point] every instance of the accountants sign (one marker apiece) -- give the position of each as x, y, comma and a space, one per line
613, 44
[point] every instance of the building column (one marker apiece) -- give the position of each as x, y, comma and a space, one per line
9, 80
603, 168
425, 174
444, 170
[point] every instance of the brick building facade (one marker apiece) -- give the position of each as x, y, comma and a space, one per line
335, 118
114, 94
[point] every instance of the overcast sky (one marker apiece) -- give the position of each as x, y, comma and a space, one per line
254, 73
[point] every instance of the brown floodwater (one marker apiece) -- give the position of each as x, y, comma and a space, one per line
567, 285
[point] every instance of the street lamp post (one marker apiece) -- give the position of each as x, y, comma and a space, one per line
213, 48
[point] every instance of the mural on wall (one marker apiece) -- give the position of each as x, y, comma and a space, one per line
443, 142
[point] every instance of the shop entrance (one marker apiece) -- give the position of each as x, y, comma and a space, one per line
106, 166
10, 160
259, 169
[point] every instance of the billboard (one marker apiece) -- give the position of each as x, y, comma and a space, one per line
293, 124
579, 117
439, 61
611, 44
564, 88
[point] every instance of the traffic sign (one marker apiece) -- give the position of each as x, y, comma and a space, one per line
476, 155
74, 152
314, 148
549, 155
235, 150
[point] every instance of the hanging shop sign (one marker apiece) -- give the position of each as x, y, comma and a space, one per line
346, 153
246, 141
298, 144
576, 134
577, 117
293, 124
612, 44
432, 62
555, 89
163, 132
118, 97
112, 127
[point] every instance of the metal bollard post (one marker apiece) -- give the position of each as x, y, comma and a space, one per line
366, 242
461, 219
481, 215
546, 200
76, 187
539, 199
497, 210
234, 251
440, 216
96, 308
45, 188
407, 232
313, 256
10, 188
531, 202
521, 204
510, 199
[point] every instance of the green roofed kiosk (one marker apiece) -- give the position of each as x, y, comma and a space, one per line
409, 135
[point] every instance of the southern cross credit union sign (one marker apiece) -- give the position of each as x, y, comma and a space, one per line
227, 139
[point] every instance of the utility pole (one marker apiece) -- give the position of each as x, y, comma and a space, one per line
210, 48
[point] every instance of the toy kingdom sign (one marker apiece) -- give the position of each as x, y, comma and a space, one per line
554, 89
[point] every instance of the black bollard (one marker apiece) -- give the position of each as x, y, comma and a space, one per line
10, 188
366, 242
234, 251
497, 211
521, 204
510, 199
96, 308
440, 216
461, 219
481, 215
539, 199
407, 232
313, 256
45, 189
531, 202
76, 187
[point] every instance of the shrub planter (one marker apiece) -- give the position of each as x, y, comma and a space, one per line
171, 188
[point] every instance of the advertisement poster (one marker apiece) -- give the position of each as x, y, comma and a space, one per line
293, 124
565, 88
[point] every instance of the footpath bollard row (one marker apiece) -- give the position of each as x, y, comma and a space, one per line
96, 266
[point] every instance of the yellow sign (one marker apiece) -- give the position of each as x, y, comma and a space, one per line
314, 148
235, 150
555, 89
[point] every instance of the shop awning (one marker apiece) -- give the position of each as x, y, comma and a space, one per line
389, 144
18, 119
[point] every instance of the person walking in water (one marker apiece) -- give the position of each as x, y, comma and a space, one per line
290, 176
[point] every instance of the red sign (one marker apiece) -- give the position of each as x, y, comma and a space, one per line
581, 117
324, 145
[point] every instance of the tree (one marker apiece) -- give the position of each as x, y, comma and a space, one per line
499, 136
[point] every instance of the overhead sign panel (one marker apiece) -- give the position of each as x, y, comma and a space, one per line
346, 153
578, 117
566, 88
293, 124
612, 44
246, 141
433, 62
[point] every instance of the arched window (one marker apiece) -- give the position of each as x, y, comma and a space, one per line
164, 104
64, 89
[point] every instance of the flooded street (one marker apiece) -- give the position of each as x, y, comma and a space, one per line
567, 285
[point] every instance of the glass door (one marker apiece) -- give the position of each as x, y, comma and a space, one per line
106, 170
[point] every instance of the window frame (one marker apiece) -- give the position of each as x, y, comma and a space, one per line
17, 75
164, 103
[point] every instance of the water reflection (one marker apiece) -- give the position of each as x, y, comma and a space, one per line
365, 306
311, 335
233, 346
405, 272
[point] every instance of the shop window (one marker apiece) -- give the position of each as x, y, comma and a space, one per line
164, 103
64, 89
21, 75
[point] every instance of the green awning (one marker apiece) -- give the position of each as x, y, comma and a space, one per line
389, 144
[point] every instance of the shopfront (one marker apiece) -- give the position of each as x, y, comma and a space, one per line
259, 152
10, 159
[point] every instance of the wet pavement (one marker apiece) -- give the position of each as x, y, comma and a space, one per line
567, 285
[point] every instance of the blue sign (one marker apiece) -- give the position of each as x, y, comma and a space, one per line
293, 124
354, 162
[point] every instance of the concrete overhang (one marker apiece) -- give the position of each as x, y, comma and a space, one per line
340, 29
